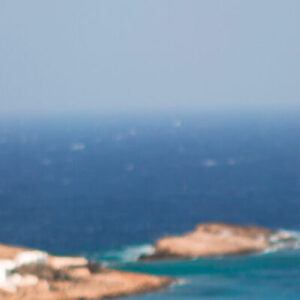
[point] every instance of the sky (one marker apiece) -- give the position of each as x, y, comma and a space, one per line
148, 55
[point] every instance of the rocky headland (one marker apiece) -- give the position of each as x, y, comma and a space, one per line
35, 275
218, 239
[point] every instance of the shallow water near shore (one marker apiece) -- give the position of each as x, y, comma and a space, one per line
98, 187
270, 275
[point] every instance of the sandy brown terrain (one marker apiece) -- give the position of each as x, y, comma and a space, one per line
10, 252
211, 240
108, 284
66, 278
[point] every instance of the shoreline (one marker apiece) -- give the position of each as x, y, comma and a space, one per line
29, 274
213, 240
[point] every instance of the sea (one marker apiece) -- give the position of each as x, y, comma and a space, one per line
107, 187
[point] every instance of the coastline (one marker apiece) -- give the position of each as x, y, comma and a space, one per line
219, 240
35, 275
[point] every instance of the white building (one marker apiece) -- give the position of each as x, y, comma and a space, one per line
6, 268
9, 281
31, 257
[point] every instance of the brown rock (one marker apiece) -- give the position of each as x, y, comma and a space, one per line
212, 239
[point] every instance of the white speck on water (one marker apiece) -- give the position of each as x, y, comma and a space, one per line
46, 161
78, 147
177, 123
132, 132
209, 163
129, 167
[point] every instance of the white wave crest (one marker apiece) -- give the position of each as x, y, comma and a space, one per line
129, 254
284, 240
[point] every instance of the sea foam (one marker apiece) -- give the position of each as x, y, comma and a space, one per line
284, 240
129, 254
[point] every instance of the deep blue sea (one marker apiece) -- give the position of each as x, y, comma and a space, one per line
108, 187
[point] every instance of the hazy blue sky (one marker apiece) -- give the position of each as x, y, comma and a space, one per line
68, 55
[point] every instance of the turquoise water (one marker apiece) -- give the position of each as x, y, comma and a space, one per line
266, 276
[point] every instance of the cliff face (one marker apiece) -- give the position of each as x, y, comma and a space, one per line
67, 278
211, 240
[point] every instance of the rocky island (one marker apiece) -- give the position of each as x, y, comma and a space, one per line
35, 275
218, 239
